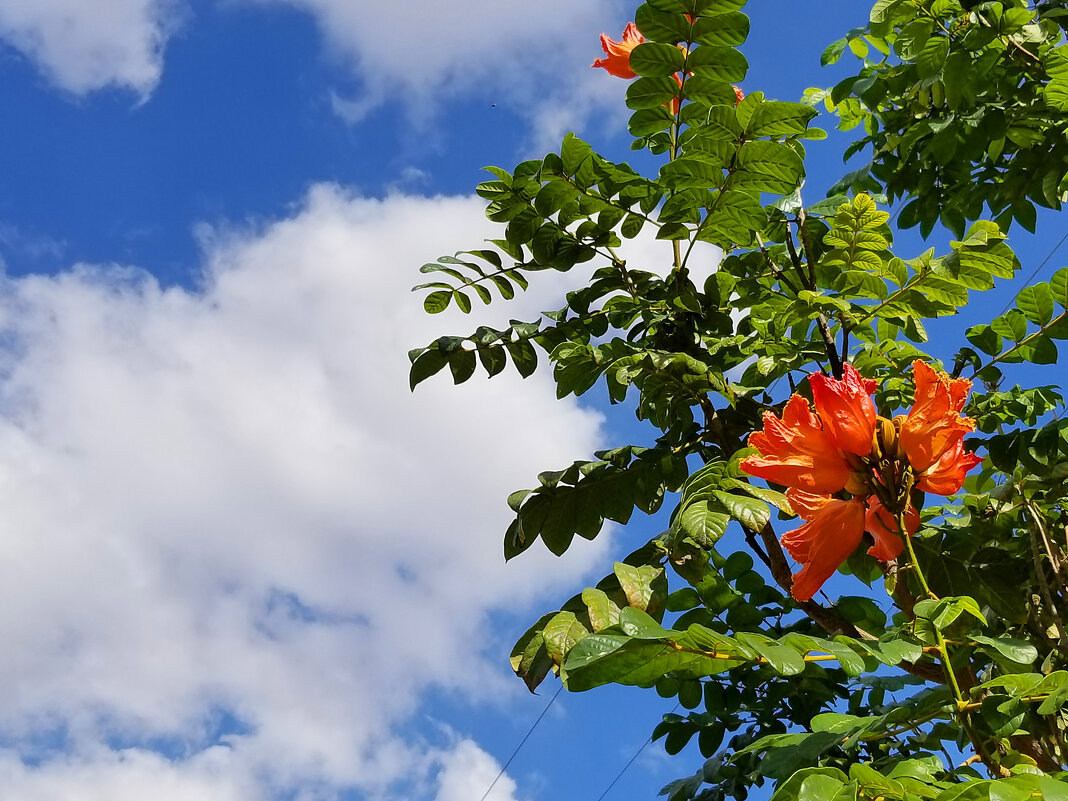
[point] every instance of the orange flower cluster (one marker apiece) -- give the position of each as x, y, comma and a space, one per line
617, 60
844, 447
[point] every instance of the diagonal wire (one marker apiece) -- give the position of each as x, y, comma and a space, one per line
629, 763
1035, 272
522, 742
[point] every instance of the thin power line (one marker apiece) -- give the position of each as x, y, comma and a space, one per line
521, 743
629, 763
1036, 271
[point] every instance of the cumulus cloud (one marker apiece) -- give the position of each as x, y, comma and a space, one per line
532, 56
467, 773
82, 47
235, 548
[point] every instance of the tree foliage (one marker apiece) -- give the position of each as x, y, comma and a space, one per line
944, 674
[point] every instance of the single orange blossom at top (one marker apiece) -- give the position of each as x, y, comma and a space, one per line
618, 53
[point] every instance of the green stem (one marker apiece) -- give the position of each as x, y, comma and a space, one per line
962, 707
673, 153
1001, 356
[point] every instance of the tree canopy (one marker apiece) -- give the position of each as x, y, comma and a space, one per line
799, 414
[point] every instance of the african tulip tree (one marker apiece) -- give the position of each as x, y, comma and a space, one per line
803, 429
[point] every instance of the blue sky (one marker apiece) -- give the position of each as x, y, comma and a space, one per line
241, 561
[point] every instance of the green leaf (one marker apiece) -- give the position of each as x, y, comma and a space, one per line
750, 512
657, 25
644, 585
985, 338
578, 500
646, 121
849, 659
931, 58
429, 362
529, 658
652, 93
730, 28
833, 52
882, 10
1014, 650
912, 38
615, 658
774, 118
1059, 287
573, 152
716, 63
791, 789
1055, 685
945, 611
437, 302
1036, 302
1056, 91
1012, 325
561, 633
783, 659
638, 624
769, 167
655, 59
603, 611
704, 523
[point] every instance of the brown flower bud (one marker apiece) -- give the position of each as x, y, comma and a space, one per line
886, 438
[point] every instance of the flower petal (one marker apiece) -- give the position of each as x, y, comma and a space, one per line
882, 526
934, 425
797, 451
618, 61
946, 476
845, 409
823, 543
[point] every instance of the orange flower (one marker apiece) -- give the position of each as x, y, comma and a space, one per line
882, 526
738, 96
845, 409
816, 454
618, 61
833, 531
946, 476
797, 451
934, 425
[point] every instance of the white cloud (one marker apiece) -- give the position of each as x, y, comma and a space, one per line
468, 772
84, 46
534, 57
240, 547
531, 57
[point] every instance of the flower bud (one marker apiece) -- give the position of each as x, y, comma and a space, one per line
857, 485
886, 438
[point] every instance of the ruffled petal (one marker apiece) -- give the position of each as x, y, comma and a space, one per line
934, 425
883, 528
846, 409
946, 476
797, 451
618, 53
823, 543
806, 505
